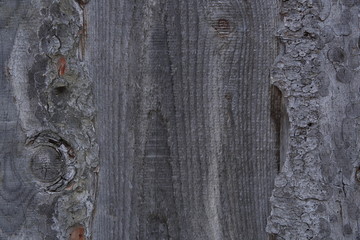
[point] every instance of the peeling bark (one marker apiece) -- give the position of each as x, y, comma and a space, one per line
49, 151
315, 193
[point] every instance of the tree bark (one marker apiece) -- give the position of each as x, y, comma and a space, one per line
315, 195
48, 151
179, 119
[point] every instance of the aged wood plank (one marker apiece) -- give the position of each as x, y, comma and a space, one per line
15, 195
204, 67
191, 133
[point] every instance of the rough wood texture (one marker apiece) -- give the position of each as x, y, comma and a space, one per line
48, 153
188, 147
316, 194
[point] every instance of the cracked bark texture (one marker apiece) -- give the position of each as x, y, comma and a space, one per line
315, 195
48, 154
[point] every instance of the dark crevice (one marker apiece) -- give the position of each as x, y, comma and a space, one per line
275, 111
280, 123
60, 90
272, 237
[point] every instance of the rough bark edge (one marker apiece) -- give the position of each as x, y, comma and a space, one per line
75, 196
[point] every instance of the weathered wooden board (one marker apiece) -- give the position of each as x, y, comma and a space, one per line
192, 129
189, 142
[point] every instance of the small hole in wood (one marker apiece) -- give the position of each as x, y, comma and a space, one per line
228, 97
60, 90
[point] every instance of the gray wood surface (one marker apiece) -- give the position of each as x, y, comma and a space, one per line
210, 120
15, 193
189, 146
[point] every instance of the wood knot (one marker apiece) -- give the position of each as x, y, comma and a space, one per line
223, 27
52, 161
228, 97
47, 164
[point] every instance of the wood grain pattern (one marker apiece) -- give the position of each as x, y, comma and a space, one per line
205, 66
15, 192
158, 211
192, 129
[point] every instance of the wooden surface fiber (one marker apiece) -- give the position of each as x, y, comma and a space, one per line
189, 147
156, 119
16, 193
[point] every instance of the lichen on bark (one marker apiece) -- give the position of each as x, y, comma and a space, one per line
315, 193
53, 95
299, 187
